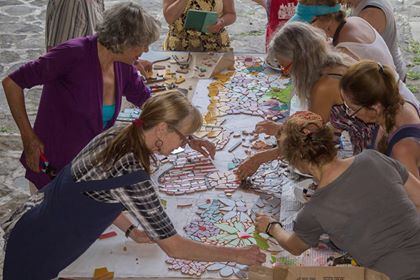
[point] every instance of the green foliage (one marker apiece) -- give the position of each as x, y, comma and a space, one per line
283, 95
413, 88
414, 47
413, 75
261, 242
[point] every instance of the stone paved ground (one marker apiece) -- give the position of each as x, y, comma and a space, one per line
22, 39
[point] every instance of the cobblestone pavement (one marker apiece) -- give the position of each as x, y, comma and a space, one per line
22, 39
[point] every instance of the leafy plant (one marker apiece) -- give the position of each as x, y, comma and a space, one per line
413, 75
413, 88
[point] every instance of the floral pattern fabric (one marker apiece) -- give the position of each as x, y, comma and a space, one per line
360, 133
179, 39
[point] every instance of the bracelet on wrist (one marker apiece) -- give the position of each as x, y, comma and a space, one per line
129, 230
222, 21
270, 226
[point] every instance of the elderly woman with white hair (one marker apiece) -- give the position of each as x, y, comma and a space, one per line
84, 80
316, 70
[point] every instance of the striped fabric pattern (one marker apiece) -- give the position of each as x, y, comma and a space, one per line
140, 200
67, 19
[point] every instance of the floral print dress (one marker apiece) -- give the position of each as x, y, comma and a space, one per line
179, 39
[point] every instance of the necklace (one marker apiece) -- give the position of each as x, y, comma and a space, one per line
337, 32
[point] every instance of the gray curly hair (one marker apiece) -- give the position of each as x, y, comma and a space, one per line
306, 46
127, 25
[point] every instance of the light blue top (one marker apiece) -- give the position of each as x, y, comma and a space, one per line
307, 13
108, 112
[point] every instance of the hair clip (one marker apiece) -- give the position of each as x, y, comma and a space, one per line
138, 122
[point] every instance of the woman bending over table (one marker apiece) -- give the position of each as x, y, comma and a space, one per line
372, 95
109, 175
367, 204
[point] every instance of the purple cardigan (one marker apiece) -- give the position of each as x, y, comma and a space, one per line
70, 109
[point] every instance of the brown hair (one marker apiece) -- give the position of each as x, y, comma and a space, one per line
367, 83
172, 108
307, 141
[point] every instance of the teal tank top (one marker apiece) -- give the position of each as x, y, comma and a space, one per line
107, 114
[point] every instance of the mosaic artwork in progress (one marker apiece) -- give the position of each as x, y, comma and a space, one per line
192, 172
220, 221
244, 91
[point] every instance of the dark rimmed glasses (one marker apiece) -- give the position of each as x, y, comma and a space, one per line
350, 112
185, 139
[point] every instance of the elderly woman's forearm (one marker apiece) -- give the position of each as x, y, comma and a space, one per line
16, 100
179, 247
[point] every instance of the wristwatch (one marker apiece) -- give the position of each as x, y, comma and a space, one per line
129, 230
270, 225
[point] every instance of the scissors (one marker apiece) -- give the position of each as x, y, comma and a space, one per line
46, 167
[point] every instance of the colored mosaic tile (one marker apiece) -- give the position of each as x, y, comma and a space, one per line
228, 269
200, 230
188, 174
269, 178
192, 268
235, 235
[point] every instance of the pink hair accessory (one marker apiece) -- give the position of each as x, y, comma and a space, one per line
138, 122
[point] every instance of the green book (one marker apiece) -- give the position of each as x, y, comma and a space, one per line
200, 20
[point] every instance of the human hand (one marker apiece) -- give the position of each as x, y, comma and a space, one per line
215, 28
145, 67
250, 255
268, 127
261, 221
248, 167
32, 146
204, 147
140, 236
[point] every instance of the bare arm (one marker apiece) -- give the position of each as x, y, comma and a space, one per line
412, 186
173, 9
228, 17
123, 223
31, 143
229, 13
251, 165
376, 17
324, 94
405, 151
263, 3
179, 247
289, 241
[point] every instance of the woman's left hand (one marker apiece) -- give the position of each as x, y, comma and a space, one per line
140, 236
215, 28
204, 147
261, 222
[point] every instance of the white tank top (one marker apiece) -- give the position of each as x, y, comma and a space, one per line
389, 35
378, 51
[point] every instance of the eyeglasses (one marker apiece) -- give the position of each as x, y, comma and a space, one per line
286, 69
350, 112
185, 139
